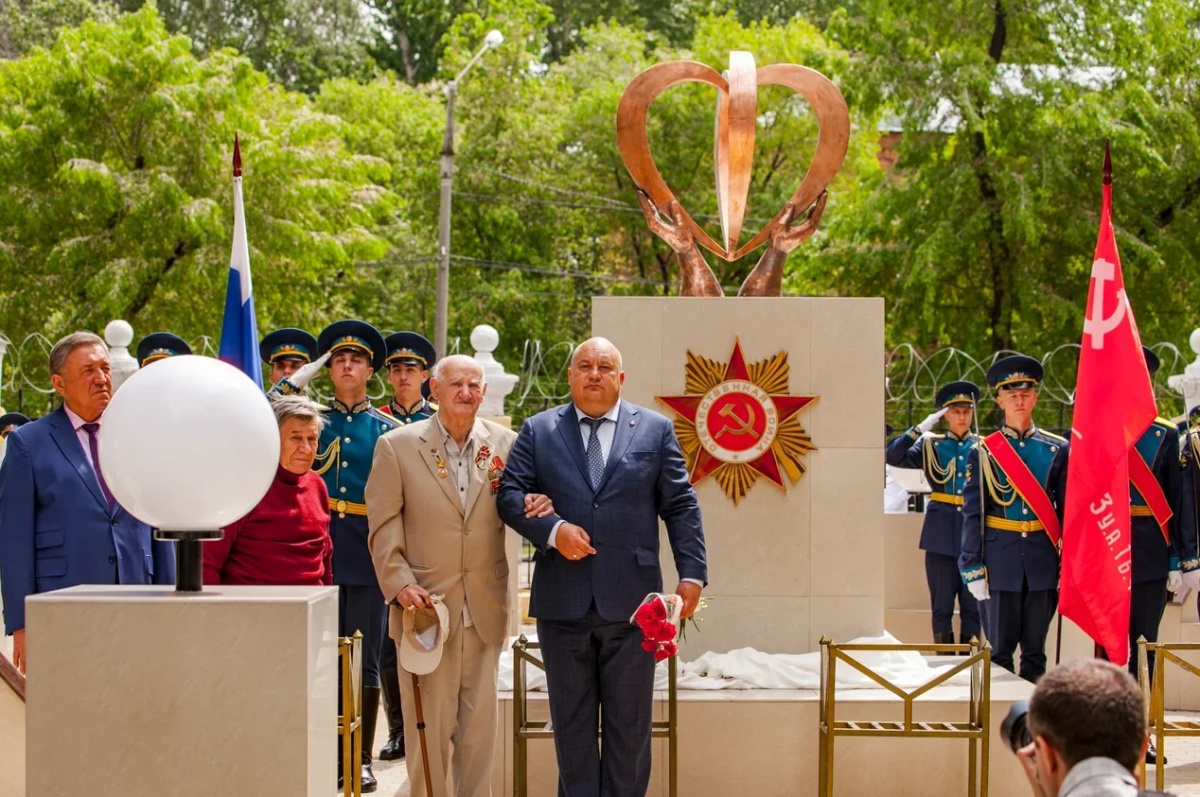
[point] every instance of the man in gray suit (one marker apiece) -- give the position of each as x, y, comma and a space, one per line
612, 469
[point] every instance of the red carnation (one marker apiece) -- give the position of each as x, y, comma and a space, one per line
670, 648
649, 645
661, 654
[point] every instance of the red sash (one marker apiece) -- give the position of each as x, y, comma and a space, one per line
1024, 482
1143, 479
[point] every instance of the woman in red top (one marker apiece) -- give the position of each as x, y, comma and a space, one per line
285, 539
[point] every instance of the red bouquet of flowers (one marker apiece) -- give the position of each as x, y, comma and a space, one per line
658, 617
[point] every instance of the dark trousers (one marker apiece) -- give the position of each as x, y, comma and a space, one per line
362, 609
1021, 618
599, 677
946, 586
1147, 601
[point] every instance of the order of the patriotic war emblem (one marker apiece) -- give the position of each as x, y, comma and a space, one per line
737, 423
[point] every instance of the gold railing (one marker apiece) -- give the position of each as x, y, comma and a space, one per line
1159, 726
350, 718
525, 729
974, 730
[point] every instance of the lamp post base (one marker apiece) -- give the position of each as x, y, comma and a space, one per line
189, 555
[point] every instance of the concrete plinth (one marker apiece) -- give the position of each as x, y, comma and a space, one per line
786, 567
138, 690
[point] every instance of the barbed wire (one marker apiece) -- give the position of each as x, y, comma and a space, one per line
913, 376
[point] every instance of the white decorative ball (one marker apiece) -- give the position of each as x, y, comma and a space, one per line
118, 333
1194, 340
485, 338
189, 443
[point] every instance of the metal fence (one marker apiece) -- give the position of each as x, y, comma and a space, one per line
913, 376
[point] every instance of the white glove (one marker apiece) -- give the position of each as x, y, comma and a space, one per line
927, 424
1174, 581
1191, 579
979, 589
306, 373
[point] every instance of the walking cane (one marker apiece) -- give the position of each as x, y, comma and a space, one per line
421, 733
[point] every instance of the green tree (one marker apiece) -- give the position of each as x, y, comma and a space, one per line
116, 167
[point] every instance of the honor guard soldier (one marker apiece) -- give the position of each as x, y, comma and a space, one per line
353, 352
286, 350
943, 458
1189, 498
1161, 560
159, 346
10, 421
409, 358
1012, 521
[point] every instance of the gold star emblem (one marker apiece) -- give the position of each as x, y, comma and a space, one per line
737, 422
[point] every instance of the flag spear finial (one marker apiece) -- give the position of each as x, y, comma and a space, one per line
1107, 164
237, 156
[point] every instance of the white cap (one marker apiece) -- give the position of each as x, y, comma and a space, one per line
424, 634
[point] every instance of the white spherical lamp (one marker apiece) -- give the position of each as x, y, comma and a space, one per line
189, 445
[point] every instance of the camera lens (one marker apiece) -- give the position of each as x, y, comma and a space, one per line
1015, 727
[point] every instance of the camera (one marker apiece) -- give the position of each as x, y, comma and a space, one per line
1015, 727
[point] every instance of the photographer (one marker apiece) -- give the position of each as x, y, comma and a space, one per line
1086, 731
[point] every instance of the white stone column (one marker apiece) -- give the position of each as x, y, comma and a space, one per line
485, 339
119, 334
1188, 383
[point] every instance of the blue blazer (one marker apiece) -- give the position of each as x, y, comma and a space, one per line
645, 479
55, 527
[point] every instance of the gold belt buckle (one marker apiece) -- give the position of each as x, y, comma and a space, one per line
341, 507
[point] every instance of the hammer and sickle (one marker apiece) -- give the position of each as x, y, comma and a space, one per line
743, 427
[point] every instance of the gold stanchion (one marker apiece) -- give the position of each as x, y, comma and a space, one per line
975, 730
525, 729
1152, 693
350, 719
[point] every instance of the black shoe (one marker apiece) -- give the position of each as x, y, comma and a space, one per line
394, 748
1152, 755
369, 783
943, 638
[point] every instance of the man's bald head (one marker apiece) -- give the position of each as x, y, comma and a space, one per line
595, 376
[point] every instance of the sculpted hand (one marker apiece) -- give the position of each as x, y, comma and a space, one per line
538, 505
979, 589
19, 650
927, 424
306, 373
690, 592
668, 226
785, 237
573, 542
1174, 581
414, 596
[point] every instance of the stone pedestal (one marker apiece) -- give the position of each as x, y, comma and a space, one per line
786, 568
138, 690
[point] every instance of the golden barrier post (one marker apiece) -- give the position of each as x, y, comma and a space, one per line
350, 720
974, 730
1153, 691
525, 729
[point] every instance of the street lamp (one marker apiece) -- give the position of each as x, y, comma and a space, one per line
441, 310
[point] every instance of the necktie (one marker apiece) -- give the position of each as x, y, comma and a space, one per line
92, 429
595, 456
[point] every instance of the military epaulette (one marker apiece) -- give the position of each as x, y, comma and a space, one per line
1163, 422
935, 436
1053, 436
383, 416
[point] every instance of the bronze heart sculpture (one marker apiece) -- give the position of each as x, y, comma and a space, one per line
736, 118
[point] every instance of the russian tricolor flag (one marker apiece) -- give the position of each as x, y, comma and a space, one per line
239, 330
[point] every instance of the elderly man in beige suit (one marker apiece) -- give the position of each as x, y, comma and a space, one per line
434, 530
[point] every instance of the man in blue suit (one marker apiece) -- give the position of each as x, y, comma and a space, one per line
612, 469
59, 524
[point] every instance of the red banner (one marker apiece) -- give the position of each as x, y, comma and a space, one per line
1114, 404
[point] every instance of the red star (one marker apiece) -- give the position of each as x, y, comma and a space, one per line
768, 462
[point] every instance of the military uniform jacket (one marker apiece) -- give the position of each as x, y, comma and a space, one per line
344, 462
1152, 556
1010, 558
943, 458
1188, 509
404, 417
